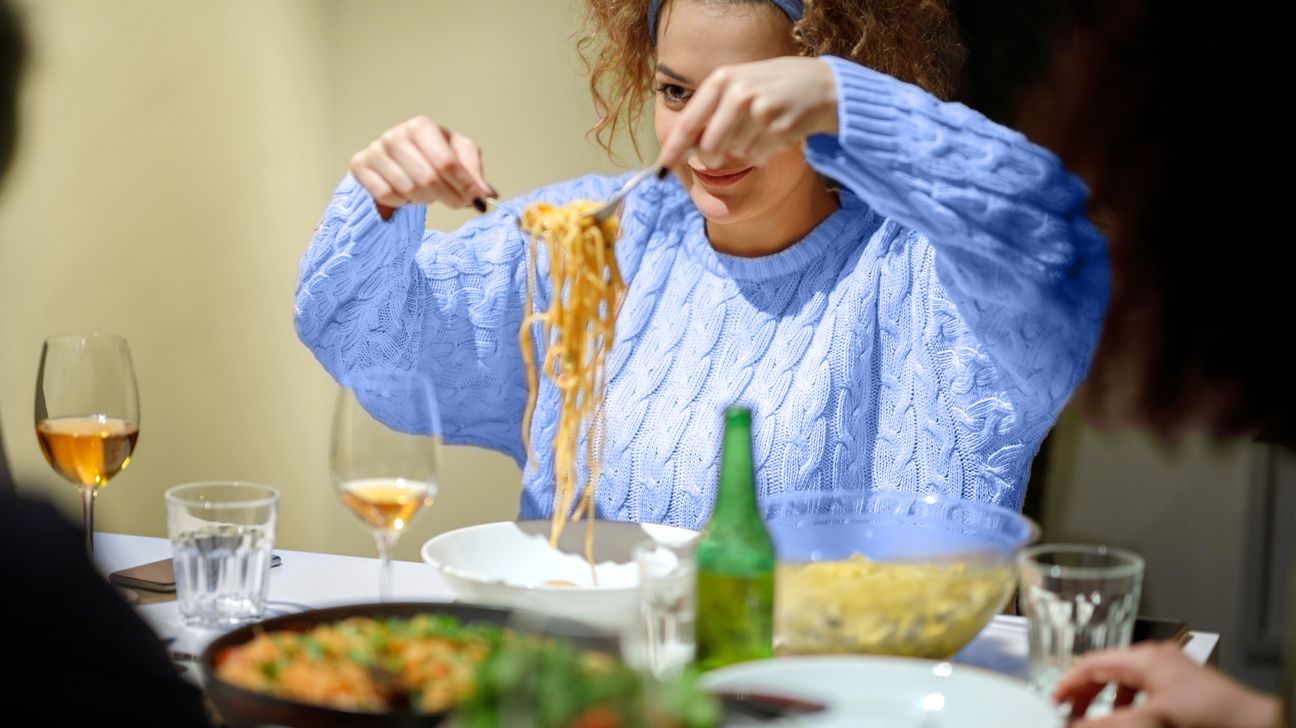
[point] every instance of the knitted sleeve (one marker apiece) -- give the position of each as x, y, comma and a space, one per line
1014, 250
374, 293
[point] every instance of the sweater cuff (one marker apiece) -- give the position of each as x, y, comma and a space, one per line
868, 116
361, 220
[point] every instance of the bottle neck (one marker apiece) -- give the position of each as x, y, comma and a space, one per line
736, 494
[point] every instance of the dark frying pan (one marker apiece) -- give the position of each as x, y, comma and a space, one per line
240, 707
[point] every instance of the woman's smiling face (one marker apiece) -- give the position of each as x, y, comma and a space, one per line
694, 38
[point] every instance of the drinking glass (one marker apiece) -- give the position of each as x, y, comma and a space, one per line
87, 413
385, 454
1078, 598
667, 588
222, 534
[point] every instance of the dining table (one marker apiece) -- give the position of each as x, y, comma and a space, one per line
308, 580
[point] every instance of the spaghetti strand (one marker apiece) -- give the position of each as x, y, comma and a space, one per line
576, 330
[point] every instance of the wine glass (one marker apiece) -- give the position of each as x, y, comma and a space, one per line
385, 454
87, 413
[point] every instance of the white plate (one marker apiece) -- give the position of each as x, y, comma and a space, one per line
892, 692
507, 564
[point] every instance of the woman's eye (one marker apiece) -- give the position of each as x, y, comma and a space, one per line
673, 93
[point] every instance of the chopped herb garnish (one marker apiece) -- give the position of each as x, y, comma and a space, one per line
270, 670
313, 649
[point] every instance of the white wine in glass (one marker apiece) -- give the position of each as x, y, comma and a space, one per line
388, 504
87, 413
385, 454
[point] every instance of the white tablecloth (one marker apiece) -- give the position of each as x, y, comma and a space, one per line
309, 580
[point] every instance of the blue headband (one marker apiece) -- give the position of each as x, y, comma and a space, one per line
794, 9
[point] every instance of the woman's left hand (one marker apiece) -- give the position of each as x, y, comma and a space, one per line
749, 111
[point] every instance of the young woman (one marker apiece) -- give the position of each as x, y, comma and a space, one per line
904, 293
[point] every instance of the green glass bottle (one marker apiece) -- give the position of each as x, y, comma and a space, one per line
735, 561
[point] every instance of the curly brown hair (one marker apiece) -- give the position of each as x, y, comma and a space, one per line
914, 40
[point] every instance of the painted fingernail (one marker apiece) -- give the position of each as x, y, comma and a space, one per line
663, 172
480, 204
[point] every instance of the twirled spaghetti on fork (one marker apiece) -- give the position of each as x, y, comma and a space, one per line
577, 330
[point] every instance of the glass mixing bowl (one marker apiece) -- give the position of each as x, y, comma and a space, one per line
889, 573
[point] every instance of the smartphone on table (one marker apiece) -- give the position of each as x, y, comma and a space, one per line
156, 576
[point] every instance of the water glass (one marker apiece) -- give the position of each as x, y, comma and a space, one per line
667, 594
1078, 598
222, 534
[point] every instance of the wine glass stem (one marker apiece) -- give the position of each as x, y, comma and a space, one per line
87, 509
385, 541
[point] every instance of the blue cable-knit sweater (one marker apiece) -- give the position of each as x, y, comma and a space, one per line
922, 338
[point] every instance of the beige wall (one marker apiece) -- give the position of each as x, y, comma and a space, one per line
176, 155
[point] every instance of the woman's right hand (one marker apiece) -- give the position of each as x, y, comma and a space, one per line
421, 161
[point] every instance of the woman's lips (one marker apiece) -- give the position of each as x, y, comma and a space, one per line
720, 177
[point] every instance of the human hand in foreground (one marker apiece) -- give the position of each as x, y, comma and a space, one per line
1178, 693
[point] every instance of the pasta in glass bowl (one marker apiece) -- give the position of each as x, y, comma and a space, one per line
889, 573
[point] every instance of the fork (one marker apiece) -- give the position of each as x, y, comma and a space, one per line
613, 205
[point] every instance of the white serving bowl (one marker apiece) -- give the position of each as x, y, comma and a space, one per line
508, 563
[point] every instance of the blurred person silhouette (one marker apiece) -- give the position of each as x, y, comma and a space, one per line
1175, 120
80, 653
